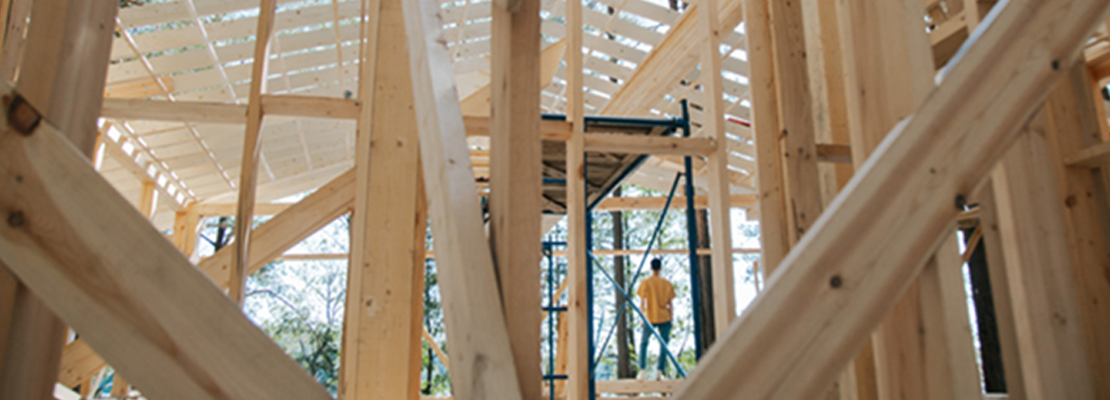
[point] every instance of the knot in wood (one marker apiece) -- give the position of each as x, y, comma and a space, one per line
16, 219
836, 282
22, 116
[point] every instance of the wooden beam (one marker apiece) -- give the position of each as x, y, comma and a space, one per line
476, 329
720, 222
146, 300
54, 78
1035, 249
772, 210
1003, 300
516, 181
840, 282
311, 106
388, 225
678, 203
577, 348
1074, 123
252, 149
226, 209
271, 239
668, 145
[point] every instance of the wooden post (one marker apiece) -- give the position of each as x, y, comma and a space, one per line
1034, 245
252, 148
481, 359
385, 307
774, 242
1003, 300
724, 300
66, 58
578, 353
1073, 124
839, 284
516, 177
148, 198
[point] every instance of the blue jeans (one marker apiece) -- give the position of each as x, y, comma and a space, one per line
645, 338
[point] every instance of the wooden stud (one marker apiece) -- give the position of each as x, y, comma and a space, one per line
841, 280
1073, 122
516, 181
724, 299
577, 351
476, 328
381, 329
252, 148
773, 237
1034, 245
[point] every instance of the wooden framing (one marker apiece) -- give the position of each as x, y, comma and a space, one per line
577, 349
252, 147
830, 285
385, 302
480, 350
133, 256
822, 90
516, 180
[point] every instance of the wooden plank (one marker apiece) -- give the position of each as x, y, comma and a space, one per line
311, 106
720, 222
381, 328
227, 209
841, 280
678, 203
252, 149
1091, 157
146, 303
1003, 301
576, 348
67, 93
15, 26
1035, 248
1074, 123
271, 239
516, 179
796, 115
663, 145
773, 237
635, 386
476, 330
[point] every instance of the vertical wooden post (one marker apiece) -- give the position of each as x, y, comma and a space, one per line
578, 357
1073, 124
724, 301
516, 190
796, 116
384, 303
772, 214
1032, 228
481, 357
252, 148
185, 233
68, 43
1003, 303
148, 198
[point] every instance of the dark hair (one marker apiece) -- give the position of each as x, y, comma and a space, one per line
656, 264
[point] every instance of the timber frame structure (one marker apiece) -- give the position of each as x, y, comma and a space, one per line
862, 135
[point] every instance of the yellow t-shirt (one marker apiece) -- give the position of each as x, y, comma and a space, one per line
658, 292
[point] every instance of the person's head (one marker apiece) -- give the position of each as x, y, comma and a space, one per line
656, 265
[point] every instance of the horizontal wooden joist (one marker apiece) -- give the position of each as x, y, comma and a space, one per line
657, 203
226, 209
557, 253
327, 107
1091, 157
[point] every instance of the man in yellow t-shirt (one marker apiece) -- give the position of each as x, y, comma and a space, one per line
655, 295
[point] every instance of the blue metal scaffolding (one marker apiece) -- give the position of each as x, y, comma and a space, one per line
673, 125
